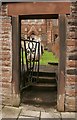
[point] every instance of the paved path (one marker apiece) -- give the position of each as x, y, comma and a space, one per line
31, 112
27, 112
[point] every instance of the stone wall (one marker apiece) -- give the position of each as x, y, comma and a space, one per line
56, 48
55, 41
6, 55
71, 61
43, 30
49, 34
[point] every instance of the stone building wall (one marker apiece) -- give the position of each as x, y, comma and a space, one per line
44, 30
55, 41
39, 27
56, 48
49, 34
6, 56
71, 61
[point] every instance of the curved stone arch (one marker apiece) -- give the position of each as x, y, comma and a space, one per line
33, 30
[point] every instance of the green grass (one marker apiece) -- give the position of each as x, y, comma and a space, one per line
48, 57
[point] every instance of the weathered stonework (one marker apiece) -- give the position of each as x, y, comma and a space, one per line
6, 55
41, 29
71, 61
8, 94
49, 34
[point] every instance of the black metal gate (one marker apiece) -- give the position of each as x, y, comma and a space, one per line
30, 56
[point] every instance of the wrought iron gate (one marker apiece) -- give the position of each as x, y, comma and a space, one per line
30, 56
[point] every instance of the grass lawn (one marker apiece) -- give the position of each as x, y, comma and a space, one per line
48, 57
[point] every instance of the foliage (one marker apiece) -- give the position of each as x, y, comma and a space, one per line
48, 57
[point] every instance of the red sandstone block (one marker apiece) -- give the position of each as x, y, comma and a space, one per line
71, 42
6, 40
72, 35
5, 59
4, 6
6, 28
70, 49
4, 10
6, 43
6, 68
71, 101
6, 85
6, 63
70, 108
71, 63
5, 53
7, 79
6, 18
72, 28
6, 48
71, 93
5, 91
6, 24
74, 83
6, 74
71, 78
4, 13
5, 32
6, 100
6, 36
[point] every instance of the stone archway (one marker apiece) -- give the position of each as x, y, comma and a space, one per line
33, 30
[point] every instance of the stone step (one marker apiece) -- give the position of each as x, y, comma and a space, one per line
44, 87
42, 98
38, 102
45, 74
42, 79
